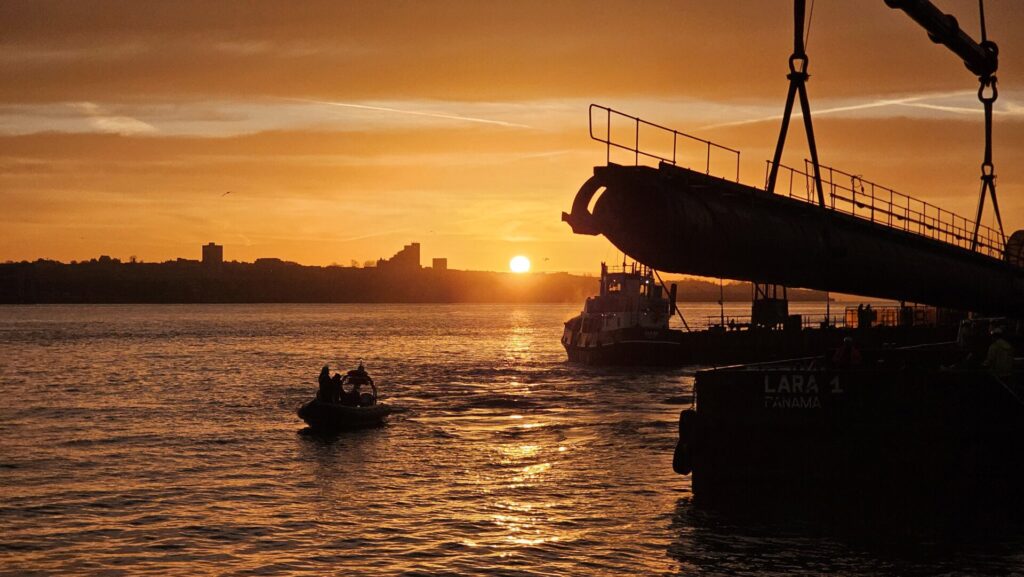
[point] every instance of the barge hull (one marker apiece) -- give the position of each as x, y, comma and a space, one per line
896, 428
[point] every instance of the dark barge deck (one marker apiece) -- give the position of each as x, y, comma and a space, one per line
721, 346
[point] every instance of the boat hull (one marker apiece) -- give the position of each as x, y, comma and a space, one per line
333, 417
916, 429
628, 353
629, 346
673, 348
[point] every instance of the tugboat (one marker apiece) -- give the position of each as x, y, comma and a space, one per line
333, 409
626, 323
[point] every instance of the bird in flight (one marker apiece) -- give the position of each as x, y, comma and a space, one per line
226, 193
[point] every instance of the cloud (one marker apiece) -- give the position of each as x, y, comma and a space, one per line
218, 118
880, 103
222, 118
113, 124
359, 50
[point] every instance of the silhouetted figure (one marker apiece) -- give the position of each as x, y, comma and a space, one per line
847, 355
974, 341
357, 378
906, 316
999, 360
352, 397
336, 388
324, 392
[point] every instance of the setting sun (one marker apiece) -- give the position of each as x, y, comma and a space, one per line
519, 264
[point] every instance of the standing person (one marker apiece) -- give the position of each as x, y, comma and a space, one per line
336, 388
999, 360
357, 377
847, 355
324, 392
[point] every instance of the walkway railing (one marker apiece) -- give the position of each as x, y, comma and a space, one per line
620, 131
853, 195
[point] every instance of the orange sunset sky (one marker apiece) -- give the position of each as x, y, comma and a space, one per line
345, 130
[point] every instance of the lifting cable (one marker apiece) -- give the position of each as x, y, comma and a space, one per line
987, 94
798, 86
677, 310
810, 18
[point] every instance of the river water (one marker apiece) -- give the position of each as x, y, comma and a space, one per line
163, 440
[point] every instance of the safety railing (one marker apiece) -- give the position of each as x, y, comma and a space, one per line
743, 322
890, 316
660, 144
851, 194
850, 317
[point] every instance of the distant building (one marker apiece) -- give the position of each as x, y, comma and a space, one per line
406, 259
213, 255
440, 264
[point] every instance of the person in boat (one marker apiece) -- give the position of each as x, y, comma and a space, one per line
847, 355
357, 378
336, 388
999, 360
324, 392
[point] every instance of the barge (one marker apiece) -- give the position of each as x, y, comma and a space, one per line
907, 421
627, 324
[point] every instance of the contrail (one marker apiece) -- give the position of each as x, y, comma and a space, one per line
954, 109
415, 113
909, 101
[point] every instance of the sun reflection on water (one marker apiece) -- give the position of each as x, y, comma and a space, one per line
503, 458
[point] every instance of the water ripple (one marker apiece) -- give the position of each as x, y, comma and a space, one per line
163, 440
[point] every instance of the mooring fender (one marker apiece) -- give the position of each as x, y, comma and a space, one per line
682, 460
580, 219
687, 421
